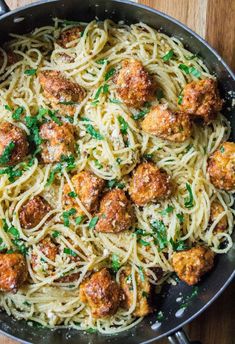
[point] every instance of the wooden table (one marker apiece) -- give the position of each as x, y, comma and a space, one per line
213, 20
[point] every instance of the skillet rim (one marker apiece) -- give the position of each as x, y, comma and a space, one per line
231, 73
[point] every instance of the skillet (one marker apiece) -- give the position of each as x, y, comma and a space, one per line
41, 13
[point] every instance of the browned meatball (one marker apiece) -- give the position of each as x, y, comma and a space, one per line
33, 212
13, 144
48, 248
221, 167
149, 184
201, 98
191, 265
88, 187
115, 213
143, 307
101, 293
59, 141
13, 271
62, 93
216, 210
68, 36
164, 123
134, 84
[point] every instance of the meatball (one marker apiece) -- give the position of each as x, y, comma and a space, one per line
192, 264
48, 248
101, 293
69, 35
221, 167
62, 93
13, 144
88, 187
13, 271
115, 213
143, 307
134, 84
33, 212
216, 210
201, 98
59, 141
149, 184
166, 124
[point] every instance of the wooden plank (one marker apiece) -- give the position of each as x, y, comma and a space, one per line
214, 21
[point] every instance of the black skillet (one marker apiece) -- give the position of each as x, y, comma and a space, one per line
41, 13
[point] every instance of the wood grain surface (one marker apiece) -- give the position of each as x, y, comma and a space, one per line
214, 21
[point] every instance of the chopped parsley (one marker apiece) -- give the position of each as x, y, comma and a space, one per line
161, 236
123, 125
109, 74
55, 234
72, 194
189, 298
169, 209
178, 245
189, 70
143, 242
30, 71
140, 114
7, 107
94, 133
91, 330
119, 160
141, 273
52, 115
98, 164
93, 222
115, 184
115, 262
168, 55
57, 169
160, 316
180, 99
70, 252
145, 294
17, 113
12, 173
115, 101
14, 232
102, 61
7, 152
180, 218
148, 156
191, 57
79, 219
189, 201
66, 215
222, 149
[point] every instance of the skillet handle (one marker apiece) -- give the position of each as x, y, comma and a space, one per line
180, 337
3, 7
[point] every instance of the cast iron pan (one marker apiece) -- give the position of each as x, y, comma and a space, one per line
41, 13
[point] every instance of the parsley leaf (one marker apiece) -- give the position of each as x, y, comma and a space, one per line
168, 55
189, 202
161, 235
66, 215
79, 219
115, 101
30, 71
222, 149
180, 218
93, 222
115, 262
123, 124
115, 184
72, 194
169, 209
141, 273
55, 234
178, 245
17, 113
109, 74
189, 70
140, 114
102, 61
94, 133
14, 232
7, 152
70, 252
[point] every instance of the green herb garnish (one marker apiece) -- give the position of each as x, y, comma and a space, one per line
109, 74
161, 236
115, 263
66, 215
141, 273
169, 209
93, 222
123, 125
94, 133
189, 70
180, 218
188, 202
30, 71
7, 152
115, 184
55, 234
17, 113
115, 101
168, 55
140, 114
72, 194
179, 245
70, 252
79, 219
102, 61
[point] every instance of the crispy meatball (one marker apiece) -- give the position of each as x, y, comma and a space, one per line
216, 210
13, 144
115, 213
191, 265
13, 271
201, 98
48, 248
134, 84
221, 167
166, 124
68, 36
59, 90
149, 184
143, 307
88, 187
101, 293
33, 212
59, 141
